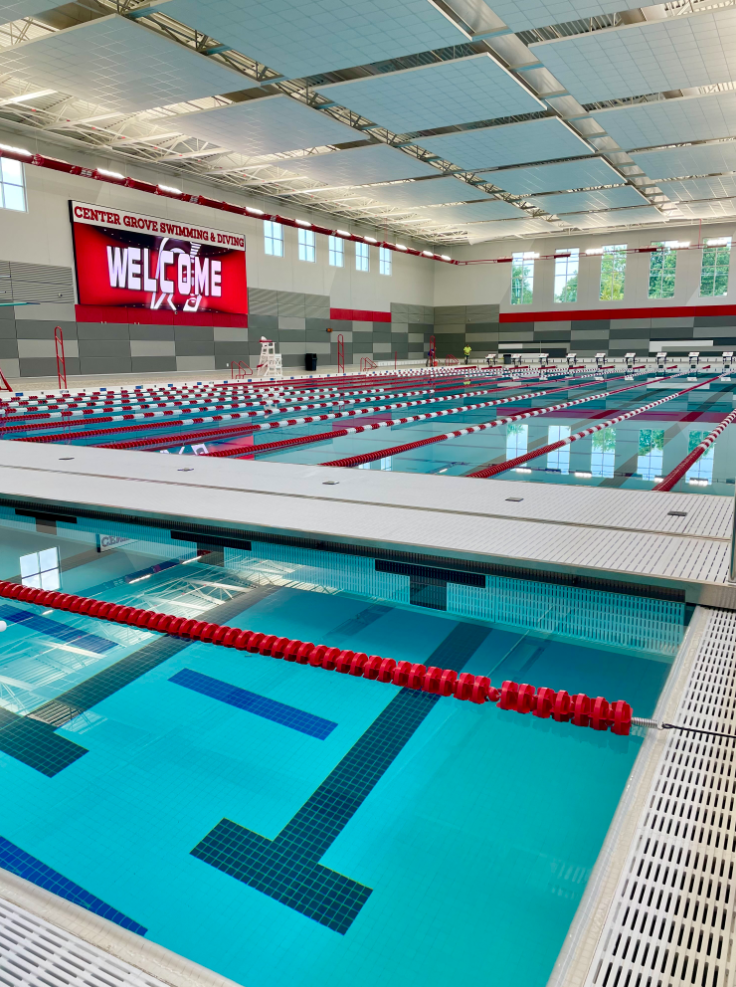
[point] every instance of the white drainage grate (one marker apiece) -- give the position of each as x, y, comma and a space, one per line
672, 918
34, 953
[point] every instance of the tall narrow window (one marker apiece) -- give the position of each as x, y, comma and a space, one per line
273, 238
603, 454
306, 245
522, 278
384, 261
662, 269
613, 273
336, 251
362, 257
651, 453
516, 439
702, 469
566, 275
387, 463
714, 272
559, 459
12, 186
41, 569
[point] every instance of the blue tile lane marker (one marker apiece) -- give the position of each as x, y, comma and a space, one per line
287, 868
269, 709
56, 629
22, 864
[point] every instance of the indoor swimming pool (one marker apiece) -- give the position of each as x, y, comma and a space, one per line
283, 825
455, 424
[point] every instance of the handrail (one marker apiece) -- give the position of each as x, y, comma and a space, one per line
243, 370
367, 364
341, 354
60, 358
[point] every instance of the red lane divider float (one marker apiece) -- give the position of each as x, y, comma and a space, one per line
579, 709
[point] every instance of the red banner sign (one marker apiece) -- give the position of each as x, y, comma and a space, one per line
128, 261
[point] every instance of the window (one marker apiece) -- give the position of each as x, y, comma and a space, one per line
522, 279
516, 439
306, 245
714, 272
662, 269
387, 463
362, 257
273, 238
41, 569
559, 459
613, 273
651, 453
566, 275
603, 453
12, 186
702, 469
336, 251
384, 261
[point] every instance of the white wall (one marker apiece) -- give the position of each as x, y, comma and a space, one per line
43, 234
491, 283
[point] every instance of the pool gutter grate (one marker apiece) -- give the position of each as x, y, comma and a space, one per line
672, 918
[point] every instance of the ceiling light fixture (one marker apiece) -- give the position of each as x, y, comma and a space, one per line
343, 233
370, 239
258, 212
400, 246
583, 476
302, 222
428, 253
110, 174
594, 250
522, 469
445, 257
27, 96
170, 188
15, 150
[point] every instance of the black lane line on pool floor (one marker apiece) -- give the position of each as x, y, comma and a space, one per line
287, 868
32, 738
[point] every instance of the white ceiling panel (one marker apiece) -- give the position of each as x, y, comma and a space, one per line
522, 15
512, 143
724, 208
480, 232
436, 95
473, 212
671, 121
427, 192
564, 202
266, 126
701, 188
699, 159
554, 177
616, 217
13, 10
653, 57
305, 37
360, 166
116, 63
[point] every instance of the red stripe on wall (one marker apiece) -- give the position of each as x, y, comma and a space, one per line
358, 315
147, 317
652, 312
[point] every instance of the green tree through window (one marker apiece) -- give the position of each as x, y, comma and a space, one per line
613, 273
566, 275
662, 269
714, 271
522, 279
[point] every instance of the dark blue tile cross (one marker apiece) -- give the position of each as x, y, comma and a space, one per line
287, 868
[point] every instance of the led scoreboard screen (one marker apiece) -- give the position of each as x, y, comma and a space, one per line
129, 261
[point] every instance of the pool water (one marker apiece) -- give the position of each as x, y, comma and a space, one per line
285, 825
631, 455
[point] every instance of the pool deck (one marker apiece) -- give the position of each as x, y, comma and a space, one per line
624, 535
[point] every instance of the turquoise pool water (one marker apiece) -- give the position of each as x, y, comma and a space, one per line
370, 834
